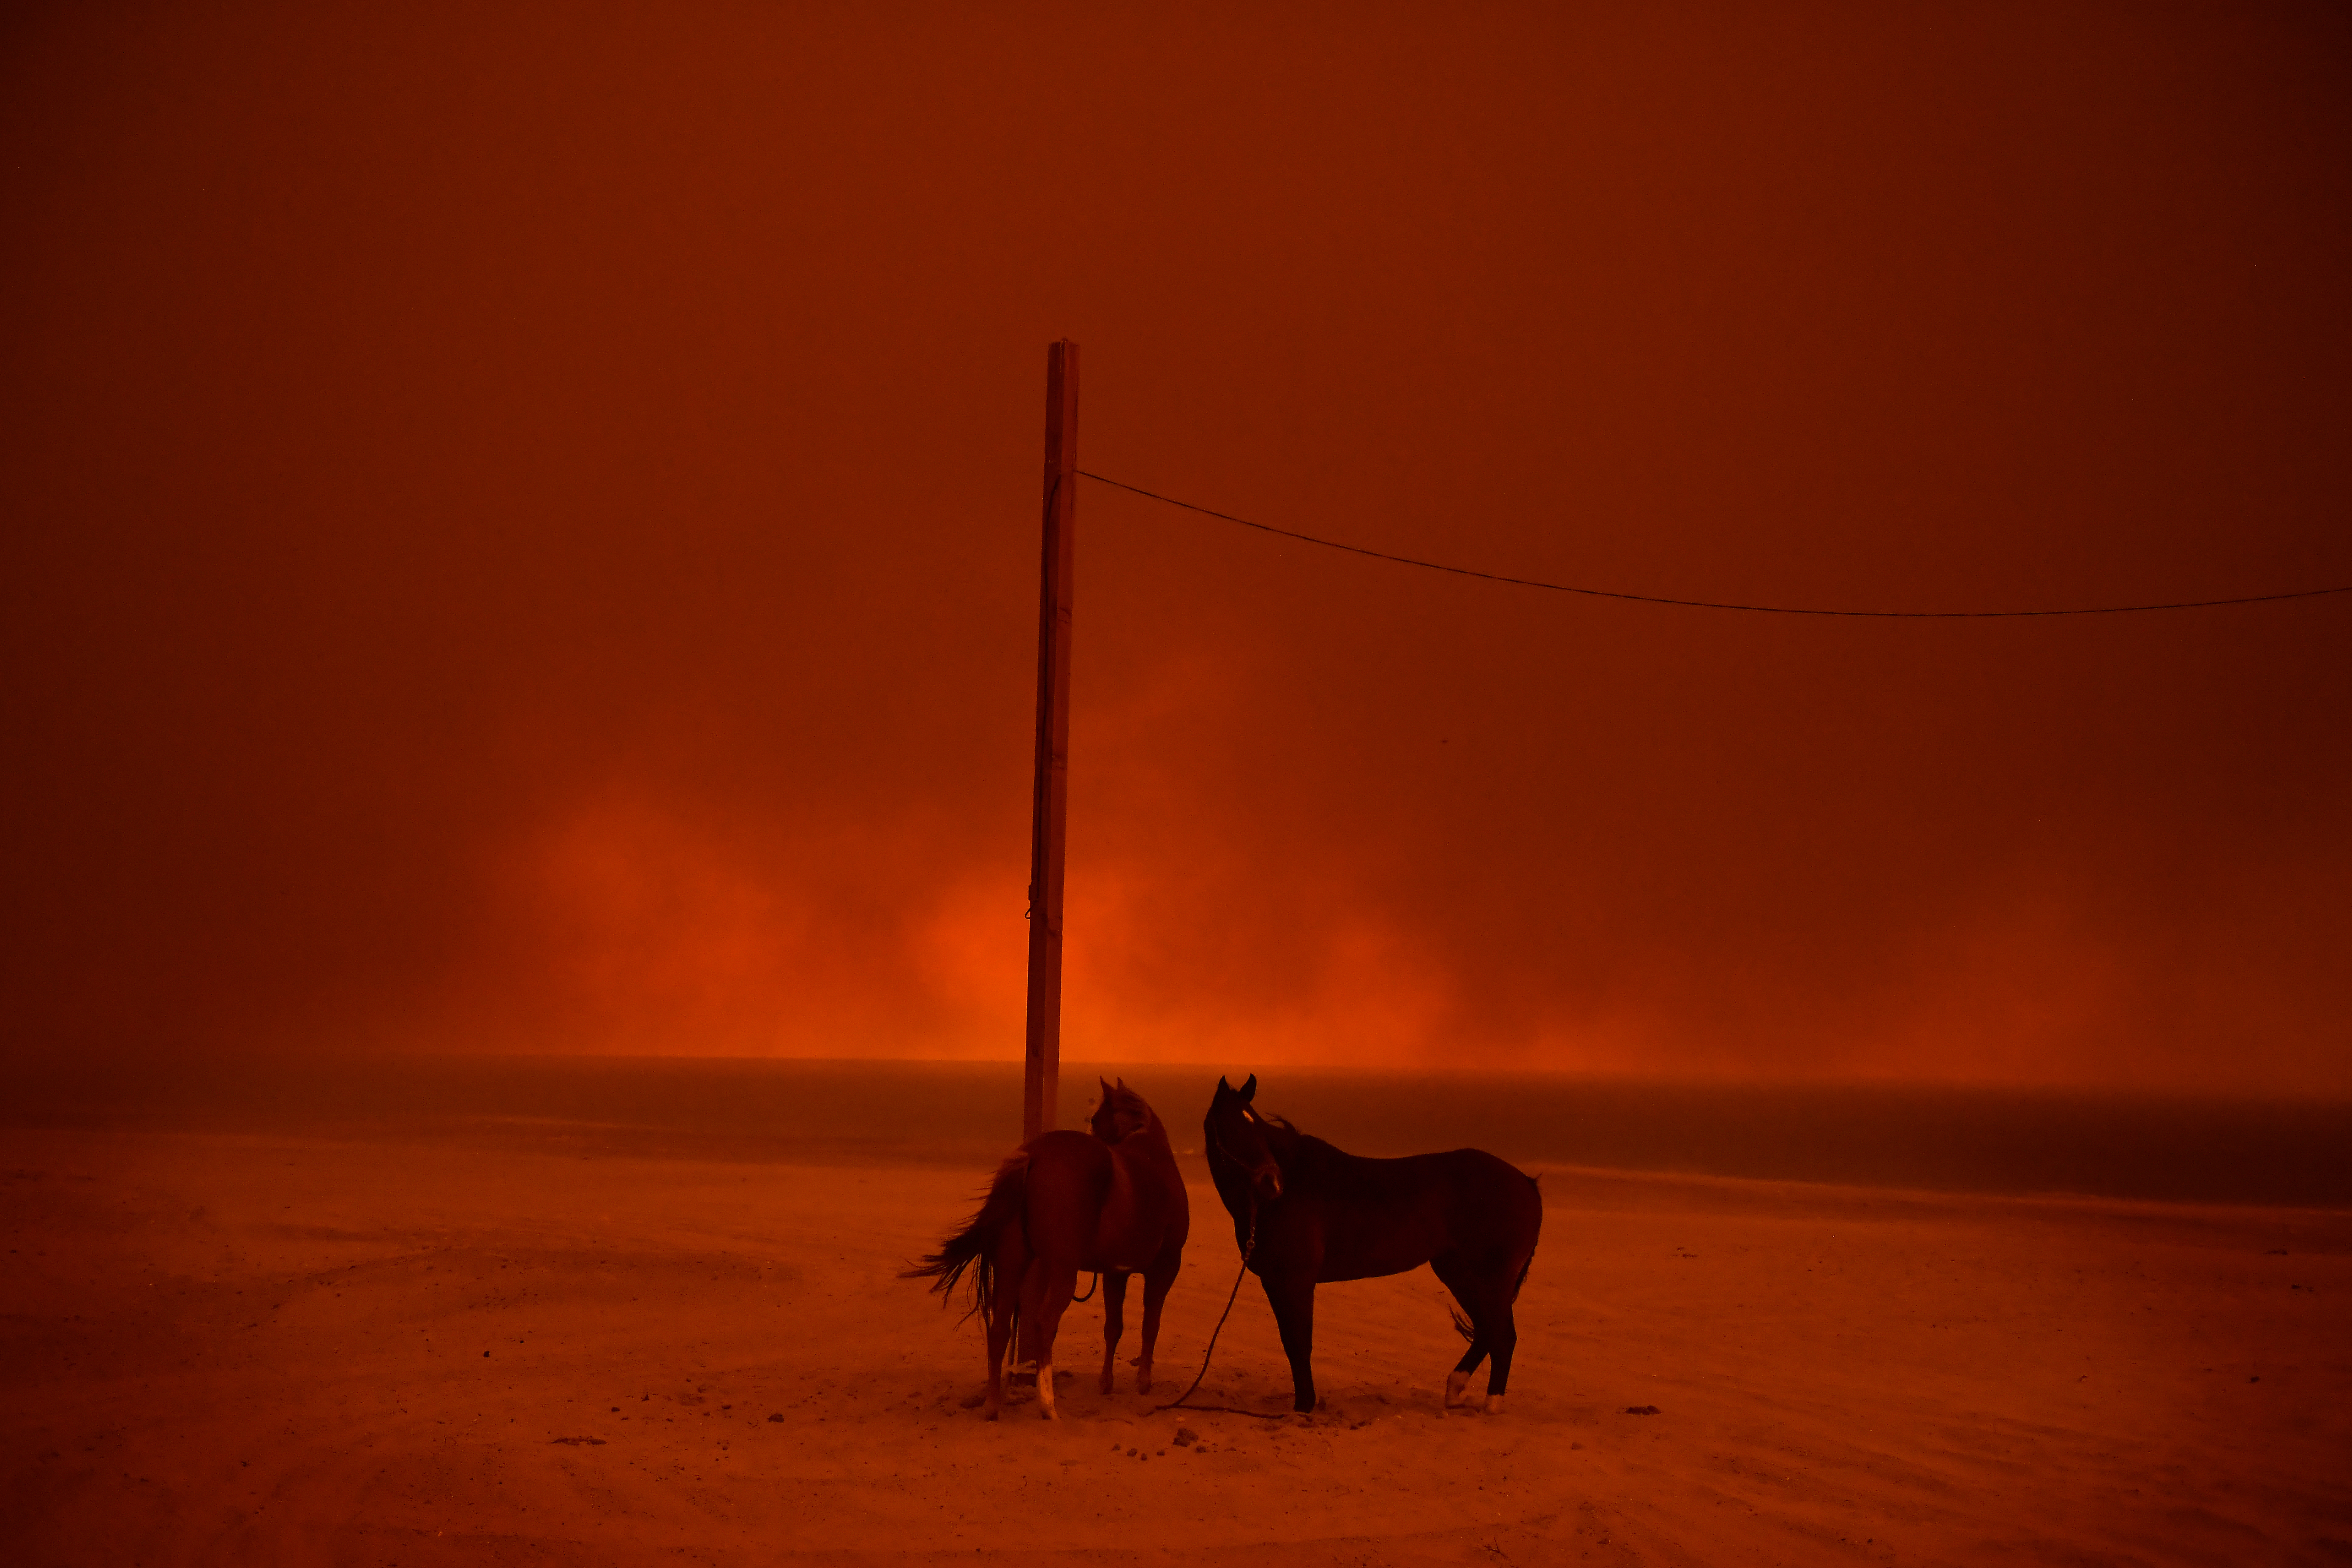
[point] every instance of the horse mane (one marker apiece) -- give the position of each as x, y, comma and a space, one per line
1287, 1142
1303, 1156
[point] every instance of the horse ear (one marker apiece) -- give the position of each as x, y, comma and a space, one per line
1249, 1090
1223, 1088
1106, 1085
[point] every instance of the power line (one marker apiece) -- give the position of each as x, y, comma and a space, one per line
1708, 604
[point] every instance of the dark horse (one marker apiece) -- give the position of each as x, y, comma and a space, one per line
1109, 1202
1306, 1213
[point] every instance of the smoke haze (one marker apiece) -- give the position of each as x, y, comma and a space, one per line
523, 534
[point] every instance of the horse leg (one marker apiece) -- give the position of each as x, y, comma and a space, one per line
1113, 1290
1156, 1281
1464, 1287
1486, 1296
1505, 1338
1457, 1382
1001, 1312
1045, 1296
1491, 1306
1000, 1332
1292, 1297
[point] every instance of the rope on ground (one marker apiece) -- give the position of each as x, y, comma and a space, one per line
1178, 1403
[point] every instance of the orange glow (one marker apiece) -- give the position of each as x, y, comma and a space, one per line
523, 535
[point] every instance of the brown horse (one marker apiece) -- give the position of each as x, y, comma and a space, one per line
1110, 1201
1306, 1213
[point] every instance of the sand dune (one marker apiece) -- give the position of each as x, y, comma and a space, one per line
286, 1349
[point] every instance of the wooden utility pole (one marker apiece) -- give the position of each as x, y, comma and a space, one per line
1041, 1079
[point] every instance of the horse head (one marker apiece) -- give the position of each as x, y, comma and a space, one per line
1118, 1114
1235, 1131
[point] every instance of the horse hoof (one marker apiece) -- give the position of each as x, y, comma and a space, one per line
1457, 1390
1493, 1404
991, 1413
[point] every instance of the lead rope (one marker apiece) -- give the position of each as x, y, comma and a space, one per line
1248, 1247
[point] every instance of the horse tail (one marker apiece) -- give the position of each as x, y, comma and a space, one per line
974, 1247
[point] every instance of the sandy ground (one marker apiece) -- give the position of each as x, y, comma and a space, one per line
250, 1350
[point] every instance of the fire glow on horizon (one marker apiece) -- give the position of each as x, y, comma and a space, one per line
533, 537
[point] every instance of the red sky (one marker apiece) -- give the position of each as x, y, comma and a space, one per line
522, 532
